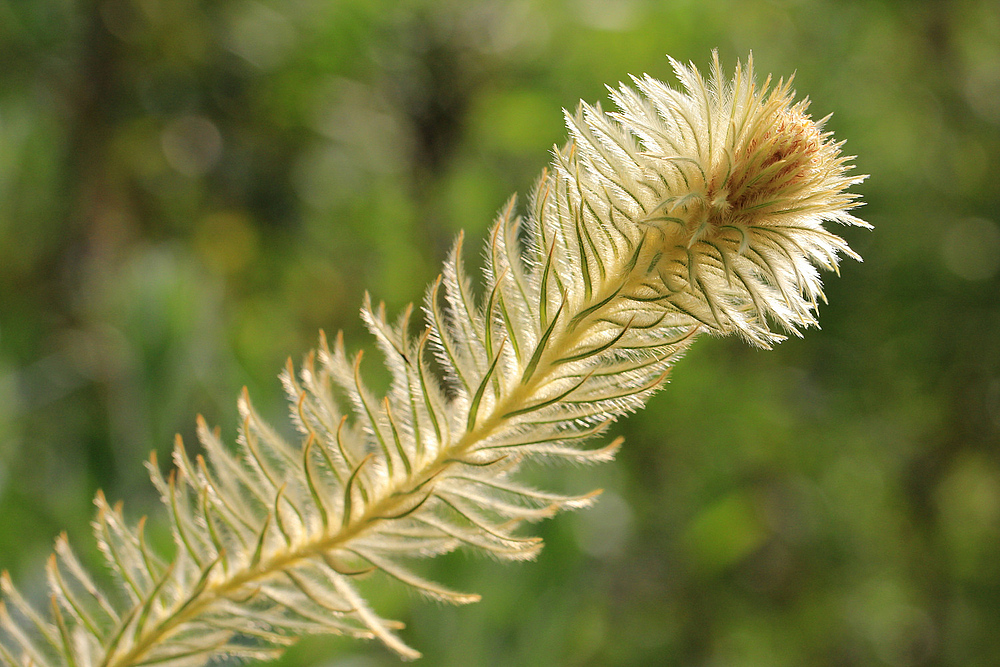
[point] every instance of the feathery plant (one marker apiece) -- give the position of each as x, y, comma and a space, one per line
683, 212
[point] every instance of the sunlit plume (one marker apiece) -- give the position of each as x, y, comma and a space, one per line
730, 183
684, 212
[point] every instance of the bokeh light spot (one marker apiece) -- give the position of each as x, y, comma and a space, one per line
191, 144
260, 35
603, 530
226, 241
972, 249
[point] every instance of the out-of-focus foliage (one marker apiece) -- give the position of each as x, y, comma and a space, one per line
190, 190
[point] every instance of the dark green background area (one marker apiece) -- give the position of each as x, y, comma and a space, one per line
190, 190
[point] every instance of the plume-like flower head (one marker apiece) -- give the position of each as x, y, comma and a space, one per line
682, 212
730, 183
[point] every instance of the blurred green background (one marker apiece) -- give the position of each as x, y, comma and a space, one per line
190, 190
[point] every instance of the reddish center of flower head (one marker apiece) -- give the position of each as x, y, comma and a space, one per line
774, 162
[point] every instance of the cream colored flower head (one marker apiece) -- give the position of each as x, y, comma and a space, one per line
726, 184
